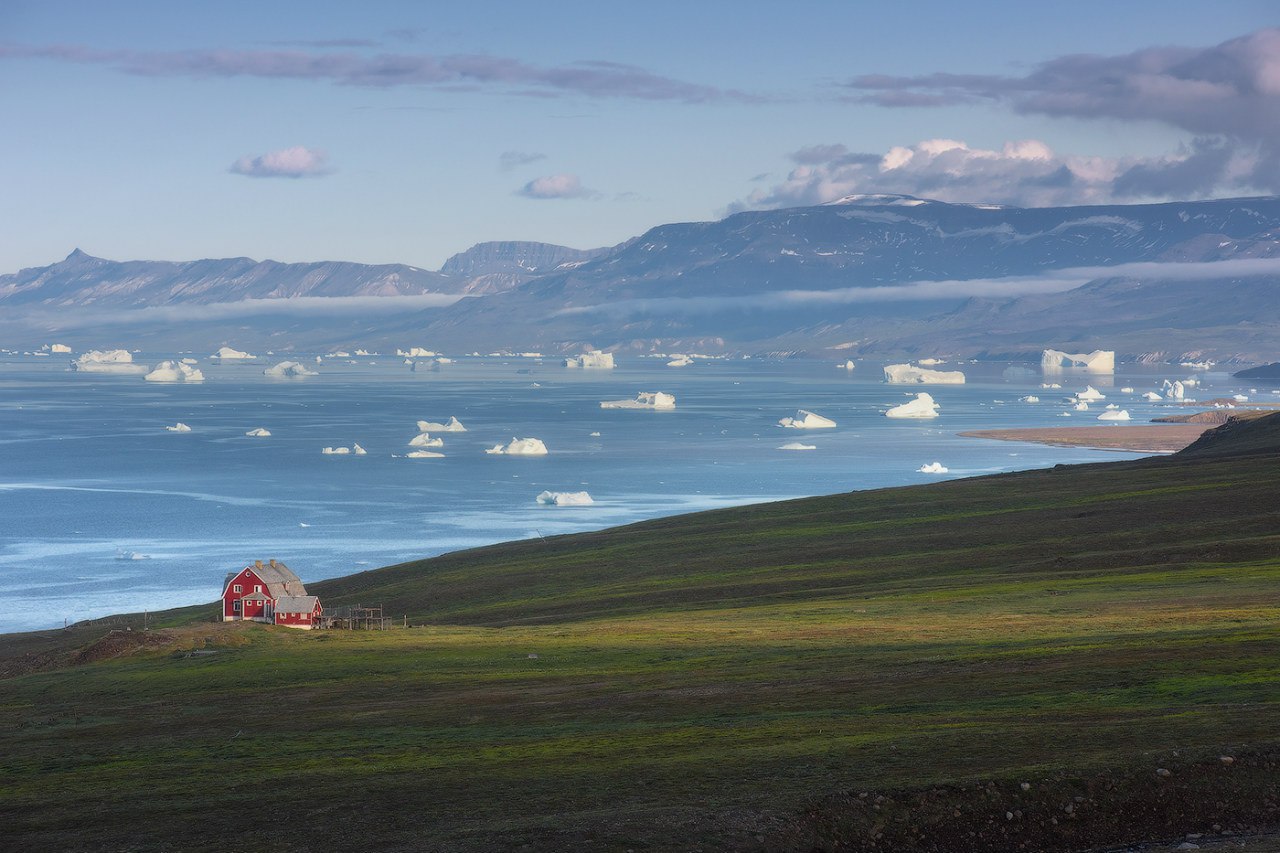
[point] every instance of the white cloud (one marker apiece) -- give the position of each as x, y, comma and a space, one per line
555, 186
295, 162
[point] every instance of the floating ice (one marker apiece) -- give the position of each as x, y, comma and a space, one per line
1126, 390
796, 445
565, 499
595, 359
416, 352
1081, 406
848, 365
680, 361
364, 352
258, 432
59, 348
358, 450
425, 440
1017, 372
804, 419
1151, 397
452, 425
1198, 365
933, 468
909, 374
179, 427
423, 454
190, 361
229, 354
1240, 398
930, 362
108, 361
595, 435
1098, 361
289, 370
336, 451
1114, 415
643, 400
922, 406
1173, 390
122, 554
1090, 395
1051, 385
1031, 398
174, 371
520, 447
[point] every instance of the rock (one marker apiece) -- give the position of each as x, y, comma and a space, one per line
1163, 773
1026, 786
1226, 759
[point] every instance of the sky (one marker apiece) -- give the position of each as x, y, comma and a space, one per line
404, 132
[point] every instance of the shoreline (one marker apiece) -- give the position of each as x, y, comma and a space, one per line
1145, 438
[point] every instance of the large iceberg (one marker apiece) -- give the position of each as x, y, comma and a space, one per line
1090, 395
909, 374
922, 406
289, 370
59, 348
1098, 361
453, 425
174, 371
520, 447
425, 440
416, 352
595, 358
643, 400
804, 419
680, 361
1114, 415
565, 499
108, 361
229, 354
1174, 390
1151, 397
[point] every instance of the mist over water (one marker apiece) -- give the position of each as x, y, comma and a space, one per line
102, 510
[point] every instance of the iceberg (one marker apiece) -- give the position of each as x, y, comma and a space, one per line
258, 432
922, 406
59, 348
1090, 395
1098, 361
108, 361
358, 450
1031, 398
643, 400
930, 362
289, 370
1174, 390
416, 352
174, 371
423, 454
848, 365
796, 445
1051, 385
1081, 406
453, 425
1126, 390
804, 419
229, 354
1151, 397
680, 361
565, 499
1114, 415
1194, 365
933, 468
425, 440
909, 374
336, 451
190, 360
364, 352
179, 427
520, 447
593, 359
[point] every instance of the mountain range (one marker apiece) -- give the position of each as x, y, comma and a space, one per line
866, 275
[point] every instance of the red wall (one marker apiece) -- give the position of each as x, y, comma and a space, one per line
247, 580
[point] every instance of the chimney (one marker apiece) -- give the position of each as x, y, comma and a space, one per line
257, 564
272, 561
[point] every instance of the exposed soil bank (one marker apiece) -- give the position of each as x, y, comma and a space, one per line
1168, 438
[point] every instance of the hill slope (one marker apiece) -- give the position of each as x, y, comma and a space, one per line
717, 681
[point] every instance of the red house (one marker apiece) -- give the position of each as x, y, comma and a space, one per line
269, 593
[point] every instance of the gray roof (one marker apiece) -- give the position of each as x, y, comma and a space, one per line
297, 604
279, 579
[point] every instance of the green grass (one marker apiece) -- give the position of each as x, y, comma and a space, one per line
698, 679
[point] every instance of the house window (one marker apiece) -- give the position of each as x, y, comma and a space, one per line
235, 606
257, 588
237, 588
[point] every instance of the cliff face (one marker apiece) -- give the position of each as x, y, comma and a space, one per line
513, 259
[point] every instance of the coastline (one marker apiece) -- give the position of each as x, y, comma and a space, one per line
1145, 438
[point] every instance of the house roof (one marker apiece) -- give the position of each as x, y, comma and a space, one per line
297, 604
278, 578
255, 596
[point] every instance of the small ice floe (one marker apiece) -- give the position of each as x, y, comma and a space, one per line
922, 406
122, 554
1114, 415
452, 425
1111, 406
289, 370
336, 451
565, 499
1031, 398
1126, 390
519, 447
1064, 414
933, 468
1151, 397
179, 427
679, 361
805, 419
849, 365
1081, 406
796, 445
595, 435
1050, 385
258, 432
425, 440
229, 354
643, 400
423, 454
1091, 395
358, 450
174, 371
1240, 398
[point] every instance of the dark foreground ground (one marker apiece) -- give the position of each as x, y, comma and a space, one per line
873, 671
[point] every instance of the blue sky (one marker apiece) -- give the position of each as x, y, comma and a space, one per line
405, 132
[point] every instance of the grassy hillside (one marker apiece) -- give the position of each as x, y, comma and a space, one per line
712, 681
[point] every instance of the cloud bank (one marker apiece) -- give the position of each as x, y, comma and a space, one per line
1226, 96
509, 160
555, 186
296, 162
590, 78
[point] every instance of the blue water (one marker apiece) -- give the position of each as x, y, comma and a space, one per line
87, 469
